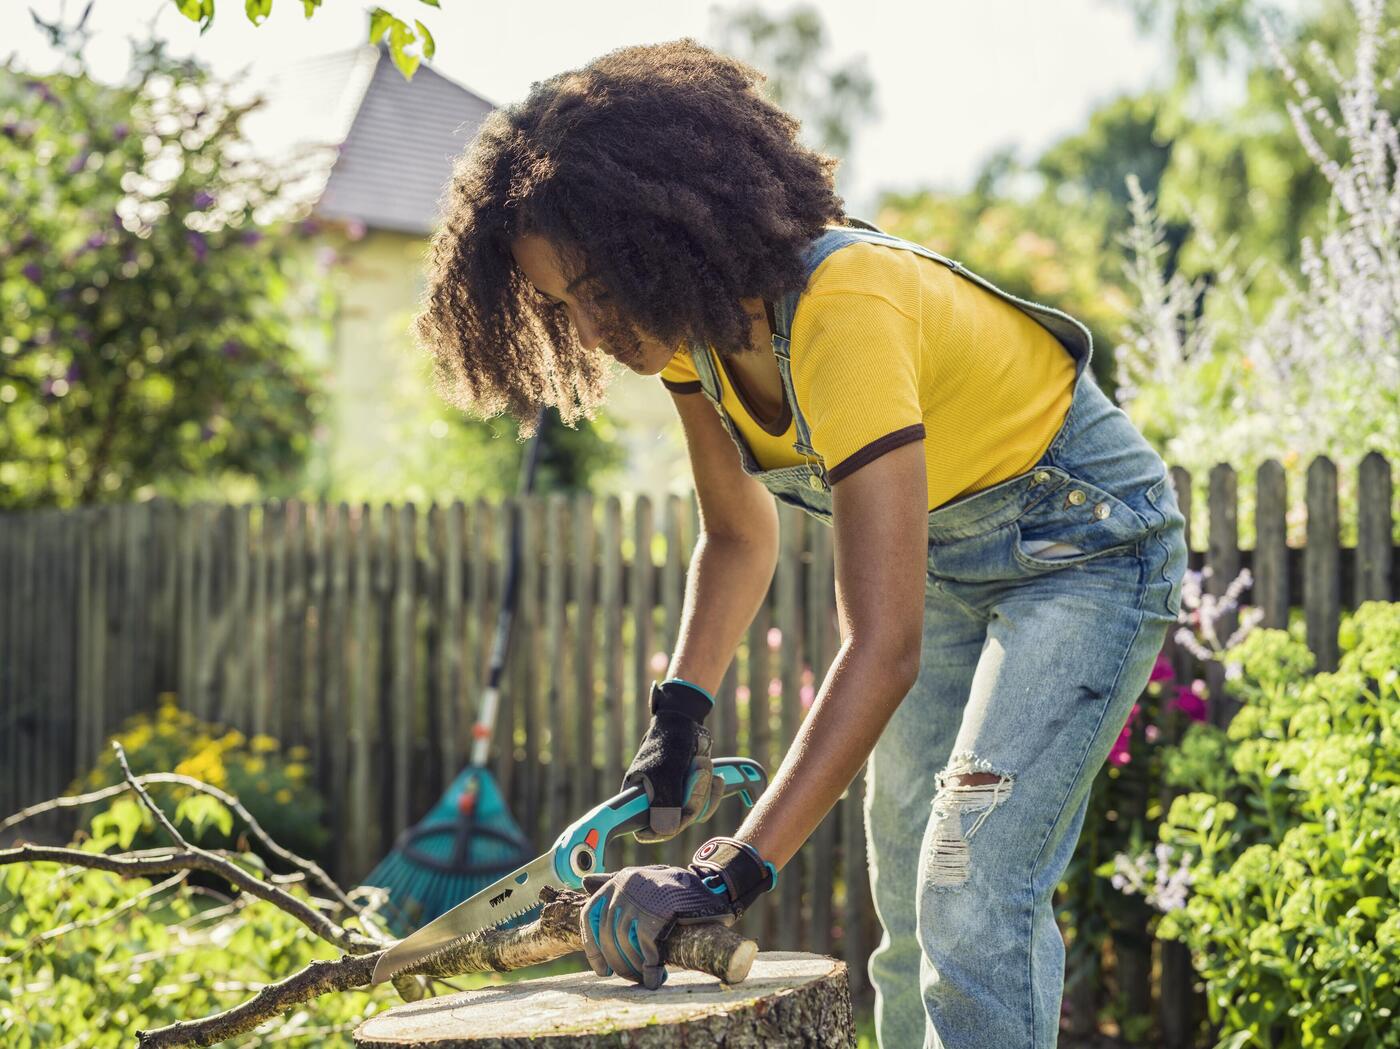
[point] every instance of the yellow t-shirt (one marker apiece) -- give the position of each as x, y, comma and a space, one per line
889, 347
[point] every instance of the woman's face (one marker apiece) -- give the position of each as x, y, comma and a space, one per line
587, 304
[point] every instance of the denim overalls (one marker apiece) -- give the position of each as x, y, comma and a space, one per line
1030, 666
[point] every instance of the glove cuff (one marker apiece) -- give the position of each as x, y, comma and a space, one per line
680, 697
736, 868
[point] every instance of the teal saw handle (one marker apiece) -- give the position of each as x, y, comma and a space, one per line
582, 847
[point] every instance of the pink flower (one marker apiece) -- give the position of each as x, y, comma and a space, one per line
1162, 669
741, 693
775, 687
807, 694
658, 662
1190, 704
1152, 733
775, 637
1120, 754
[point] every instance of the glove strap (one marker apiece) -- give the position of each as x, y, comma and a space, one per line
734, 867
680, 697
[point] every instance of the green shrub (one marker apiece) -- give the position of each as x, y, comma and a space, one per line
1292, 845
273, 786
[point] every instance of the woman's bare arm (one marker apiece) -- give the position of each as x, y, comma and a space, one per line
735, 555
880, 516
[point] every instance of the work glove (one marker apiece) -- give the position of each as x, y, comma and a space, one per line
629, 914
674, 754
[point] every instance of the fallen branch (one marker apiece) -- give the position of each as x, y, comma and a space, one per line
711, 948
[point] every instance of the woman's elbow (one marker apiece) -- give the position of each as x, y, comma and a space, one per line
895, 658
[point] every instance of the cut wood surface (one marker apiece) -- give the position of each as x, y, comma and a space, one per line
790, 999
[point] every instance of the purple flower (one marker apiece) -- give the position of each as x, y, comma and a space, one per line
250, 236
231, 349
199, 244
77, 163
33, 272
120, 131
73, 374
41, 89
96, 241
205, 432
1162, 669
1190, 704
203, 200
1120, 754
9, 129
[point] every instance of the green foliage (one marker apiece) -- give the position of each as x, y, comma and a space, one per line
167, 957
150, 316
272, 785
408, 44
1289, 825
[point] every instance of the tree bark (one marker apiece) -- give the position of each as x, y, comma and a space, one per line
789, 1000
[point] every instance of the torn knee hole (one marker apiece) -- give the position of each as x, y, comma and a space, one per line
960, 792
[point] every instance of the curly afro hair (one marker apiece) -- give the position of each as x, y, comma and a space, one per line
659, 168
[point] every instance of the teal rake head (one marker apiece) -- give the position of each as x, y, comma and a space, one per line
466, 842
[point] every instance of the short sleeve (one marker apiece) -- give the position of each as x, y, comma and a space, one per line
856, 373
679, 375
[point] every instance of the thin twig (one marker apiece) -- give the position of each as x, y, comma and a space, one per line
146, 798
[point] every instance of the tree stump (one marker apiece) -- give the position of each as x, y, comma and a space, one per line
789, 1000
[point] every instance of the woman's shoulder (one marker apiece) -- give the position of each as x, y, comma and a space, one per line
867, 268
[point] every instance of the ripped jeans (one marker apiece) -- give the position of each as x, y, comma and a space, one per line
1048, 597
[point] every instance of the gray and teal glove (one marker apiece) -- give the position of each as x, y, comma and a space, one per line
630, 913
674, 752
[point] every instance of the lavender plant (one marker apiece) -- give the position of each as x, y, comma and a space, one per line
1320, 372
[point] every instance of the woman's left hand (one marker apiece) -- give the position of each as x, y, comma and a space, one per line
630, 913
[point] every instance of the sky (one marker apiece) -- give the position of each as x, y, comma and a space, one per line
954, 81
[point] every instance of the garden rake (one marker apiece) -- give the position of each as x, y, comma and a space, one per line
468, 839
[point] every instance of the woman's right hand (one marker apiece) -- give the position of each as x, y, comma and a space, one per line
673, 755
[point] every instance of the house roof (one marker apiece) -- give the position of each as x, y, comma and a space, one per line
393, 140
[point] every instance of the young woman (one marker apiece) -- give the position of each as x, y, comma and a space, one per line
1008, 550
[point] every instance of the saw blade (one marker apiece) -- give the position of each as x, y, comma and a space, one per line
503, 900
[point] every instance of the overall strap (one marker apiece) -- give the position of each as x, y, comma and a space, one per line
783, 312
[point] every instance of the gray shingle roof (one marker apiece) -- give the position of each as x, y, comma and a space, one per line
397, 138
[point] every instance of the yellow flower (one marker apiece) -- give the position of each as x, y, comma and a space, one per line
253, 766
298, 753
295, 770
263, 744
233, 738
283, 796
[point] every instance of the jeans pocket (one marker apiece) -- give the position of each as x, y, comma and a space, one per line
1078, 515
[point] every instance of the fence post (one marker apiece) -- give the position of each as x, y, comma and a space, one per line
583, 786
1374, 550
1270, 592
1223, 559
1322, 564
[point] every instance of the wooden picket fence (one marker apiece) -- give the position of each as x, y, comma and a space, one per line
362, 632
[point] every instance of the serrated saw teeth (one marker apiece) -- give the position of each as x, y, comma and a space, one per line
452, 945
